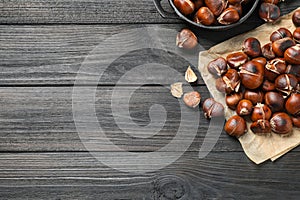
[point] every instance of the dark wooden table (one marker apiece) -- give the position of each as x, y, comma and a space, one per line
42, 46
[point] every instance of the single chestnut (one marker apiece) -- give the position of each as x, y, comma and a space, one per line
252, 74
236, 59
261, 127
268, 86
217, 67
233, 99
275, 101
292, 104
212, 108
281, 123
267, 51
216, 6
255, 96
261, 60
280, 33
286, 83
252, 47
261, 111
192, 99
269, 12
296, 121
186, 39
229, 16
235, 126
296, 35
238, 7
244, 107
294, 70
280, 46
296, 18
292, 55
274, 68
204, 16
186, 7
229, 82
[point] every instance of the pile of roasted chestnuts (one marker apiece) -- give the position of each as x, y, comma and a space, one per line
212, 12
261, 83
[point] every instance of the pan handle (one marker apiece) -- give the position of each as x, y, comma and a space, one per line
162, 12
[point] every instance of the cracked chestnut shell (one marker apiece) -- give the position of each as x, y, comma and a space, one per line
216, 6
186, 7
252, 47
281, 123
294, 70
236, 59
280, 33
232, 100
235, 126
275, 101
292, 104
252, 74
212, 108
228, 83
204, 16
292, 55
238, 7
229, 16
267, 51
280, 46
269, 12
186, 39
261, 127
274, 68
244, 107
217, 67
192, 99
261, 111
286, 83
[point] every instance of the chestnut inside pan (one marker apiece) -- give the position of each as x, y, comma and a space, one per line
248, 10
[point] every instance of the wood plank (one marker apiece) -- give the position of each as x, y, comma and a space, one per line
78, 175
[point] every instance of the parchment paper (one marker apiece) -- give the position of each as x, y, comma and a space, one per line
257, 148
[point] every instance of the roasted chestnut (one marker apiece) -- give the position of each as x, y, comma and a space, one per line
292, 104
252, 74
217, 67
238, 7
280, 33
274, 101
296, 121
280, 46
255, 96
296, 18
267, 51
235, 126
186, 39
192, 99
269, 12
286, 83
261, 127
295, 70
236, 59
216, 6
204, 16
281, 123
274, 68
268, 86
296, 34
261, 60
244, 107
252, 47
229, 16
233, 99
212, 108
228, 83
261, 111
292, 55
186, 7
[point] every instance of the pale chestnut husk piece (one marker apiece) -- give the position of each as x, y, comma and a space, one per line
190, 75
176, 90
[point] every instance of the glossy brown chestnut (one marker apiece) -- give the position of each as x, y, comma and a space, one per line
286, 83
216, 6
274, 68
198, 4
280, 33
261, 127
204, 16
212, 108
252, 74
296, 121
268, 86
236, 59
281, 123
192, 99
292, 55
261, 111
244, 107
296, 18
274, 101
235, 126
228, 16
186, 7
255, 96
261, 60
296, 35
217, 67
267, 51
292, 104
238, 7
269, 12
228, 83
186, 39
280, 46
252, 47
294, 70
232, 100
